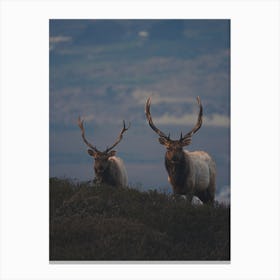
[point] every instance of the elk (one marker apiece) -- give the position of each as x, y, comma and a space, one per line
108, 168
189, 173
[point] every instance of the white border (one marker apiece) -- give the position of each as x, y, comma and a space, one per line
255, 138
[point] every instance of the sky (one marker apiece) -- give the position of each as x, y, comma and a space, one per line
104, 71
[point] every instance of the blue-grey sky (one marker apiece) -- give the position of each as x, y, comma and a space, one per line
104, 70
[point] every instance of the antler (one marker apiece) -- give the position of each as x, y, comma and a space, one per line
81, 125
197, 126
149, 118
119, 138
164, 139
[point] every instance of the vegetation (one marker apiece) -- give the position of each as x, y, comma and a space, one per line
101, 223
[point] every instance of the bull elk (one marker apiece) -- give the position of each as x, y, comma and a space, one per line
189, 173
108, 168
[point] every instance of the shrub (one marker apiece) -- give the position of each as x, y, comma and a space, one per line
104, 223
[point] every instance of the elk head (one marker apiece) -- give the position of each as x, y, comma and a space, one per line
174, 147
101, 158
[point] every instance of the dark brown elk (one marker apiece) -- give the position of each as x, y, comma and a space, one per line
108, 168
189, 173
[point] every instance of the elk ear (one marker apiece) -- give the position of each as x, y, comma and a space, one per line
112, 153
163, 141
187, 141
91, 153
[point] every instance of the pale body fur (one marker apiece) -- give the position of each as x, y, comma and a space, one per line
117, 172
204, 170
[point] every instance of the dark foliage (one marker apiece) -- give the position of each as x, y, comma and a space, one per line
103, 223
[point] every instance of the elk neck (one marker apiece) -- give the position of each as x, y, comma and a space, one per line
178, 167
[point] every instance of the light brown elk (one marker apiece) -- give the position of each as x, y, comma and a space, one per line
108, 168
189, 173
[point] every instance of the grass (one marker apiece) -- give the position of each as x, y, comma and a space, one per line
103, 223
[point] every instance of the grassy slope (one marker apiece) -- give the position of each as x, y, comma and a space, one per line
101, 223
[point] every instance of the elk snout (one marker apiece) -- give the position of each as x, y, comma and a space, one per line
173, 157
99, 169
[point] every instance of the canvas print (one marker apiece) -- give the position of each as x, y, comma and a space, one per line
139, 140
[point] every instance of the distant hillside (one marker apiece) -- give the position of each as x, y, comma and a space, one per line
102, 223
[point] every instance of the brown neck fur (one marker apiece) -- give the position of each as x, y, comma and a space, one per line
178, 171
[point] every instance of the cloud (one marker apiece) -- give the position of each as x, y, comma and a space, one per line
143, 34
54, 40
216, 120
142, 95
224, 195
90, 117
60, 39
